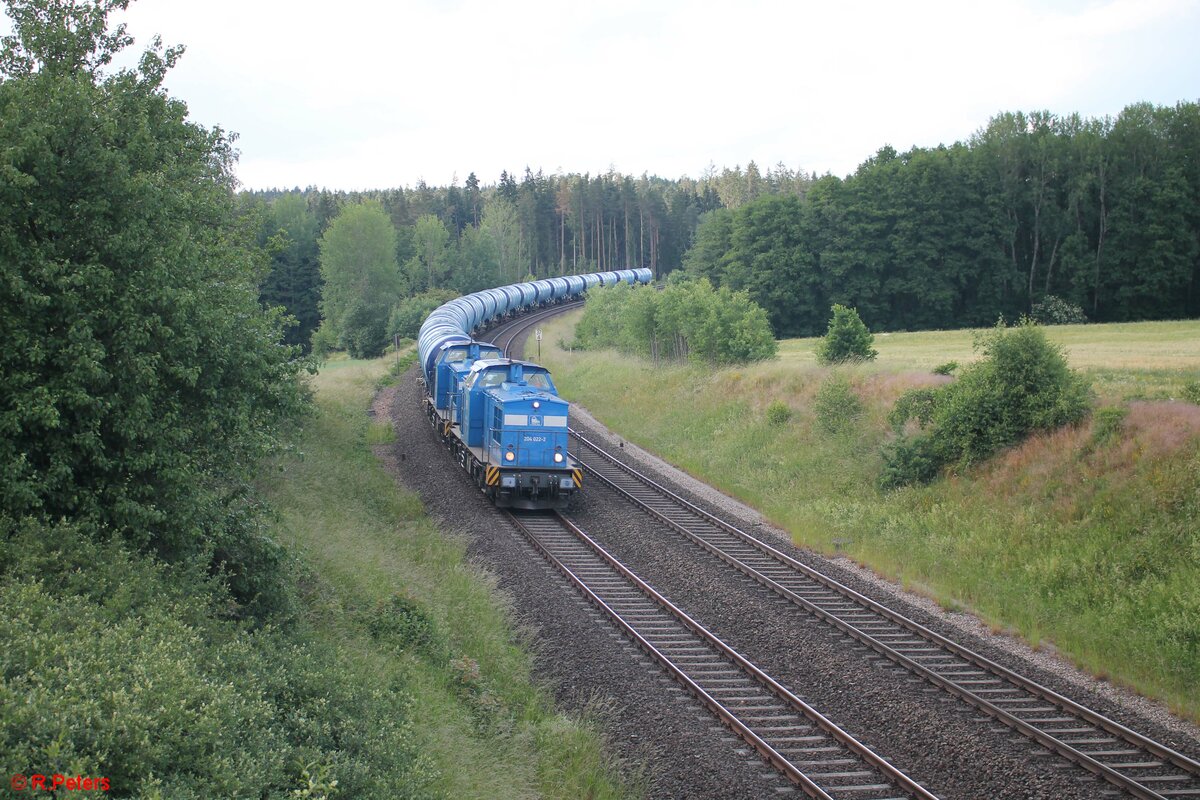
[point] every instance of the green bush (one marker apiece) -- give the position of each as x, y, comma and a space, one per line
918, 404
1056, 311
945, 369
409, 314
688, 320
364, 329
778, 413
1107, 423
908, 460
117, 665
1191, 392
143, 381
836, 406
847, 339
403, 622
1022, 385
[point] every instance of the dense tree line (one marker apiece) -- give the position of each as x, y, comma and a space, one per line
463, 239
1102, 214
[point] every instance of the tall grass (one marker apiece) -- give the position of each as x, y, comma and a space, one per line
1087, 539
488, 729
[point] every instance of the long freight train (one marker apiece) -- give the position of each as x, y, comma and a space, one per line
502, 418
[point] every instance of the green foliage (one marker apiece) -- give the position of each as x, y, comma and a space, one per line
847, 339
1054, 310
429, 266
1191, 392
778, 413
362, 280
364, 329
408, 315
945, 369
837, 408
288, 232
916, 404
403, 622
686, 320
910, 459
1107, 423
143, 382
116, 665
1022, 385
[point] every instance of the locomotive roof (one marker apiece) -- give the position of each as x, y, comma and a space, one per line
487, 363
465, 343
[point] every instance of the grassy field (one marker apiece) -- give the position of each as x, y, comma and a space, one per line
1087, 542
488, 730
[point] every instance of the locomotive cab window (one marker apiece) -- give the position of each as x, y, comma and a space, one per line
538, 380
497, 423
493, 378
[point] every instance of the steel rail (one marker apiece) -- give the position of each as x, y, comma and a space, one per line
509, 330
1108, 771
726, 712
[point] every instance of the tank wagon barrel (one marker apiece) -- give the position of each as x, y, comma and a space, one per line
457, 318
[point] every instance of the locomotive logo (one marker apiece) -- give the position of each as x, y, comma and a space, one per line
535, 419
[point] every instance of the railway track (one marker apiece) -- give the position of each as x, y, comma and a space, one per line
507, 333
816, 755
1126, 759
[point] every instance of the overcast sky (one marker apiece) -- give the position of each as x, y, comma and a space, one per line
354, 94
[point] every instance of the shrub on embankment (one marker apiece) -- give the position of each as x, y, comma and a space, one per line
686, 321
118, 666
1021, 385
1084, 537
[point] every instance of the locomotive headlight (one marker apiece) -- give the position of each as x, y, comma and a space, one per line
510, 455
558, 457
537, 403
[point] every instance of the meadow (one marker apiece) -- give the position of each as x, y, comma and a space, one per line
397, 597
1086, 539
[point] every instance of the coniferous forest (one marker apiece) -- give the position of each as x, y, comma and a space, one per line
1103, 214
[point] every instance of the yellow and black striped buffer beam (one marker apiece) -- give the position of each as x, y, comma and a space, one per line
577, 474
492, 475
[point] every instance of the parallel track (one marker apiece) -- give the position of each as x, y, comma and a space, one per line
505, 334
1125, 758
816, 755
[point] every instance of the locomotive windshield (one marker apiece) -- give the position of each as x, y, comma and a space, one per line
493, 378
538, 380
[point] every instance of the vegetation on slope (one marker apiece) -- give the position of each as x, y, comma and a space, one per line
685, 321
394, 592
1085, 537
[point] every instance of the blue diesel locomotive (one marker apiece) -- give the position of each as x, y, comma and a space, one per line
502, 418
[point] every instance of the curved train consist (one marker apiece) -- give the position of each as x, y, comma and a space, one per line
502, 418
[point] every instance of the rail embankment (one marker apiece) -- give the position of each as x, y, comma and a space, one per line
1084, 539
